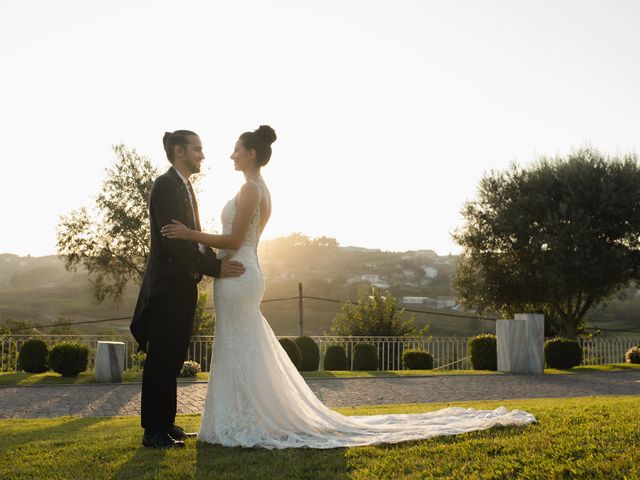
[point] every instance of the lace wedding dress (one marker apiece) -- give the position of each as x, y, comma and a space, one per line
257, 398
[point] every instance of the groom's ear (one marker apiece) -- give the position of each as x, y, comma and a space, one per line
178, 150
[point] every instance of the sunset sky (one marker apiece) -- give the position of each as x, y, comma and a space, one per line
387, 112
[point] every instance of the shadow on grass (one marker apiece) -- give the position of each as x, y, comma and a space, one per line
144, 463
23, 379
58, 428
216, 461
20, 379
12, 379
612, 367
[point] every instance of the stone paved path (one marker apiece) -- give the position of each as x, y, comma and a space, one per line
124, 399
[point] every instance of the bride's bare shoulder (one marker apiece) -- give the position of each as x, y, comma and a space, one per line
249, 186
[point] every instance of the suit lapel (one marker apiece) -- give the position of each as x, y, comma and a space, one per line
192, 220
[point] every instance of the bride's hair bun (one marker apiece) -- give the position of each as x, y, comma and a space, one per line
260, 140
267, 133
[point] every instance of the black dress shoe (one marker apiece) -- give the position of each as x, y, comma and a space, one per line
178, 433
161, 440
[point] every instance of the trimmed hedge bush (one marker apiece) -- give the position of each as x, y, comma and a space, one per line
417, 360
310, 353
633, 355
562, 353
33, 356
69, 359
335, 358
365, 357
483, 351
292, 350
190, 369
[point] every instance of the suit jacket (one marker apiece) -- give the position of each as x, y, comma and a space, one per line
171, 263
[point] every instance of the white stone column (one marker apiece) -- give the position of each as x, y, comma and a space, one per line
109, 362
520, 344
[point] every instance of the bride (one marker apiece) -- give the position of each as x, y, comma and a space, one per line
255, 396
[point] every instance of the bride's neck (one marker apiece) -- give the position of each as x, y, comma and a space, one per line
252, 174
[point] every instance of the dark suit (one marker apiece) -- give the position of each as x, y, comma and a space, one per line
163, 317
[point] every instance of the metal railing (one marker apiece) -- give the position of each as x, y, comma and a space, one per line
605, 350
10, 347
449, 353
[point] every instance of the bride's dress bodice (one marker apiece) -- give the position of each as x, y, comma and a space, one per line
249, 246
256, 397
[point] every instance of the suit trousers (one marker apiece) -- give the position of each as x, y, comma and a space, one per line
171, 318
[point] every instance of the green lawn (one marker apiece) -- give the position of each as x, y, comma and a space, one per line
594, 437
12, 379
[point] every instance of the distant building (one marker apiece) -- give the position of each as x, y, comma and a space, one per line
429, 302
430, 272
372, 279
412, 300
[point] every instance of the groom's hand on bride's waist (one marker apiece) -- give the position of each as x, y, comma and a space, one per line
231, 268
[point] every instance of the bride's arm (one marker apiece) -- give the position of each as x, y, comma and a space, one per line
247, 202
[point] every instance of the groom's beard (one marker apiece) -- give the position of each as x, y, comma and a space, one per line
194, 167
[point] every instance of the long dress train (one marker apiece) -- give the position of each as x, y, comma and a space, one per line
257, 398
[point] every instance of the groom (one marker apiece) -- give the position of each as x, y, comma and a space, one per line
163, 317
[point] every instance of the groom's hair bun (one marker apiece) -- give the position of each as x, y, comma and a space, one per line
171, 139
260, 140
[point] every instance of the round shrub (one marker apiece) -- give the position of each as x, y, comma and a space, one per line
292, 350
310, 353
633, 355
335, 358
417, 360
190, 369
365, 357
33, 356
562, 353
137, 361
483, 351
69, 359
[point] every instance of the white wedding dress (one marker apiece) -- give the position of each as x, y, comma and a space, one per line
257, 398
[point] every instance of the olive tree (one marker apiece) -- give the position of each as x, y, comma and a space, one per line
558, 237
111, 240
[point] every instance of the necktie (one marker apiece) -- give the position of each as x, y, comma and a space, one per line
194, 206
196, 216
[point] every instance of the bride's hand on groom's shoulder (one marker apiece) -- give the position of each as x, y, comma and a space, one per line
177, 230
231, 268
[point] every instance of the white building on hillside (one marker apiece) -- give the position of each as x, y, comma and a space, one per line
373, 280
430, 272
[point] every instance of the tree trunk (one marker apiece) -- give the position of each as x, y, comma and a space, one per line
569, 330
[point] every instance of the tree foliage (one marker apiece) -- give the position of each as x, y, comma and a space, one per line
204, 323
111, 241
10, 326
63, 326
559, 237
374, 314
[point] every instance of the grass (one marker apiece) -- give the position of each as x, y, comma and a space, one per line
13, 379
593, 437
612, 367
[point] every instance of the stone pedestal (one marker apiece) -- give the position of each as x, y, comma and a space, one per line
109, 362
521, 344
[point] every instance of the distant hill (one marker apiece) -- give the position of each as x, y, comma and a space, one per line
40, 290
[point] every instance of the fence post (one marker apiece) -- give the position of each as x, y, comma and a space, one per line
300, 305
